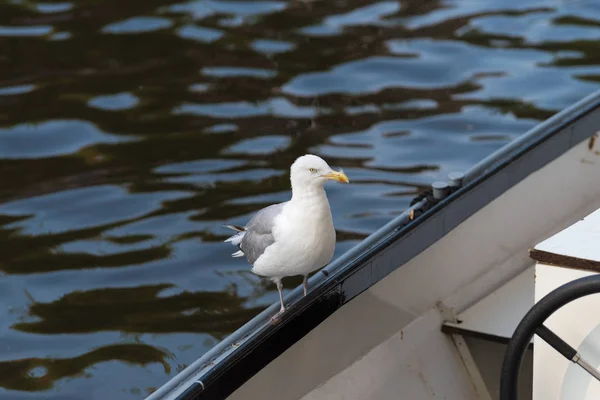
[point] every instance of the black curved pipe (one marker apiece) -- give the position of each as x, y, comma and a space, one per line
535, 317
556, 342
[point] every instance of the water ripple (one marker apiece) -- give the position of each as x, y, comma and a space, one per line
53, 138
138, 25
201, 34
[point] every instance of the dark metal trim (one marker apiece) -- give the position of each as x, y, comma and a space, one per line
455, 330
236, 359
563, 260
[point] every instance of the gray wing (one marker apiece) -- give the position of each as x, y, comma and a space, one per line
259, 232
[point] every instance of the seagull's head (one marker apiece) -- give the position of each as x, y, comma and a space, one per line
312, 171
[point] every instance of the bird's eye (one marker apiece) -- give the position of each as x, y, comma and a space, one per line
313, 170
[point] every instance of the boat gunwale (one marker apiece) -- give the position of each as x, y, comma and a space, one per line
353, 272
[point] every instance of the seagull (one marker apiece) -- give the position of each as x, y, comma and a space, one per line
295, 237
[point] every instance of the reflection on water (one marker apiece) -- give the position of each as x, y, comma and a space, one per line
42, 373
129, 135
139, 309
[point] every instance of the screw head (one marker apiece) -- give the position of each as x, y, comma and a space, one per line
456, 178
439, 189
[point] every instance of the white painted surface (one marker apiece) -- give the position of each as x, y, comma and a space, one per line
416, 363
345, 336
577, 323
470, 262
499, 313
581, 240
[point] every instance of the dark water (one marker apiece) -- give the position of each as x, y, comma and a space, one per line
131, 130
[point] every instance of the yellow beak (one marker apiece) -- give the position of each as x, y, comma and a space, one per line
337, 176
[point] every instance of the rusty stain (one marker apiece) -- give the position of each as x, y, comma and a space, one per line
426, 384
592, 141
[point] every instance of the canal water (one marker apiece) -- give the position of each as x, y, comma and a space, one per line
130, 131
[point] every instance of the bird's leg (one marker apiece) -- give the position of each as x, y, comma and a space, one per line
275, 317
305, 284
280, 289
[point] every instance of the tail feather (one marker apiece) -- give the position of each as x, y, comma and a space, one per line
236, 228
236, 239
238, 254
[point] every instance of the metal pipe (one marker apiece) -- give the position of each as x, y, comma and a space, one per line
531, 324
586, 366
540, 130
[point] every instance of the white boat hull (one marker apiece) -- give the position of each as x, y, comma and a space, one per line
387, 343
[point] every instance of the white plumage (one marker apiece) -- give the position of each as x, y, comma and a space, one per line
296, 237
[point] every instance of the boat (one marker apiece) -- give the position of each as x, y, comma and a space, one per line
426, 306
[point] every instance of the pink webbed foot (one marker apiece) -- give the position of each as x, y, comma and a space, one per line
275, 319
